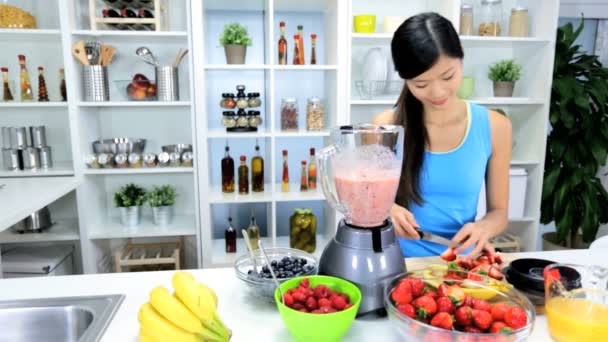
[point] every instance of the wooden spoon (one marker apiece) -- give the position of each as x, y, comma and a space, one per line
107, 54
79, 52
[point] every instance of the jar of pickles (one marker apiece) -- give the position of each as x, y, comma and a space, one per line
491, 18
228, 119
303, 230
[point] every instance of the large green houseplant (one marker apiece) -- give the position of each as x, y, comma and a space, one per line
573, 196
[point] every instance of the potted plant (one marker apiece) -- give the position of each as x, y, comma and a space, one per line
573, 196
235, 40
162, 199
504, 74
129, 200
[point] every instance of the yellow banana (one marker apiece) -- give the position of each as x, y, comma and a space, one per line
211, 292
174, 311
145, 337
155, 326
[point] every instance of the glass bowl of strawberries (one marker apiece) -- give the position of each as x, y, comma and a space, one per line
424, 308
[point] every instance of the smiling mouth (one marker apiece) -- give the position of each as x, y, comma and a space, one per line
440, 102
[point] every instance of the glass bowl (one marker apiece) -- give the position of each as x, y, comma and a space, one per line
263, 288
414, 330
136, 90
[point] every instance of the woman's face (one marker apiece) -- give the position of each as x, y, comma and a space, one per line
436, 88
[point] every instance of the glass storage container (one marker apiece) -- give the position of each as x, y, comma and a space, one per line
466, 20
519, 22
289, 114
228, 119
303, 230
242, 120
491, 18
315, 114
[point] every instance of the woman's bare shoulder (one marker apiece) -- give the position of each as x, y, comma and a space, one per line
386, 117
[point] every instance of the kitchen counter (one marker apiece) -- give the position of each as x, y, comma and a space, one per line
249, 319
19, 197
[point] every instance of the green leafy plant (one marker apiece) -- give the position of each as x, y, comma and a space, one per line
505, 71
129, 195
235, 33
161, 196
577, 145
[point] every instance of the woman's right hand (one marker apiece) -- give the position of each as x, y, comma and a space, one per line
404, 222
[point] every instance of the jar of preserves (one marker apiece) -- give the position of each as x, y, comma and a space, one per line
228, 119
135, 160
303, 230
241, 119
519, 22
466, 20
254, 100
289, 114
315, 114
256, 119
187, 159
491, 18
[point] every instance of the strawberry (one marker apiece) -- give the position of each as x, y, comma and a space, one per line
311, 303
401, 296
498, 258
499, 327
426, 306
327, 309
480, 304
321, 291
468, 301
338, 303
472, 330
288, 300
431, 294
299, 297
516, 318
463, 315
444, 304
324, 302
481, 319
303, 310
348, 306
495, 273
448, 254
346, 299
417, 287
442, 320
465, 263
405, 285
441, 290
452, 279
490, 257
305, 282
456, 294
498, 311
453, 267
481, 269
474, 276
316, 311
407, 309
297, 306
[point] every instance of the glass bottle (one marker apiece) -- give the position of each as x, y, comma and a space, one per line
303, 230
312, 171
253, 231
285, 177
62, 87
230, 237
313, 49
227, 172
26, 86
282, 44
301, 43
466, 20
289, 114
43, 94
296, 50
257, 171
315, 114
8, 94
303, 177
243, 177
241, 98
242, 120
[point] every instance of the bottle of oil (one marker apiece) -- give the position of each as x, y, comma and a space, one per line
312, 171
285, 178
253, 231
62, 88
227, 172
230, 237
43, 94
257, 171
243, 177
8, 95
26, 86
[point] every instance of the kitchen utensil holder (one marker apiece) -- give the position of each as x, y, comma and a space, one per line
31, 158
10, 159
38, 134
46, 157
167, 83
96, 84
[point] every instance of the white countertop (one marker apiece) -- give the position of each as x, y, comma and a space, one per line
21, 197
250, 320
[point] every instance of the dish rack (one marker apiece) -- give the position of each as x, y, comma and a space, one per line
143, 257
370, 90
160, 20
506, 243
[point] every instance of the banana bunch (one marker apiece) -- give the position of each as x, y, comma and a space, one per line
188, 315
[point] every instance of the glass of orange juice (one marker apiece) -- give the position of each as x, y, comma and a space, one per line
576, 302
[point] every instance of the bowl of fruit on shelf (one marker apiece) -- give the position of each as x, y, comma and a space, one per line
318, 308
137, 89
432, 308
287, 263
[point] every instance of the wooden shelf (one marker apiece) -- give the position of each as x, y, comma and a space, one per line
62, 230
59, 169
142, 170
113, 229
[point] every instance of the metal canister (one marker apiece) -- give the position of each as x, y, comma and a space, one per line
38, 134
167, 83
31, 158
163, 159
175, 159
18, 138
6, 137
46, 157
10, 159
150, 160
96, 84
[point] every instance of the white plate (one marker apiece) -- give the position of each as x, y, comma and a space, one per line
374, 65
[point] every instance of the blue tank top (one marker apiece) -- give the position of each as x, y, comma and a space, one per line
450, 183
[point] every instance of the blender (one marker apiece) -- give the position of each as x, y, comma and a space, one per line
359, 174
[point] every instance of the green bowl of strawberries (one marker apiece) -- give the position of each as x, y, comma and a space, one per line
318, 308
433, 308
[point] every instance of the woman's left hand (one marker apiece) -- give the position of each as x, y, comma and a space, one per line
473, 235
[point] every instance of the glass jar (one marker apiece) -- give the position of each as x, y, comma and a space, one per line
491, 18
254, 100
519, 22
466, 20
315, 114
91, 161
289, 114
175, 159
105, 160
150, 160
256, 119
163, 159
230, 102
135, 160
241, 98
303, 230
223, 100
241, 119
121, 160
228, 119
187, 159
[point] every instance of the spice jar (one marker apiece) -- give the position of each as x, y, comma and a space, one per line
105, 160
241, 98
241, 119
121, 160
187, 159
135, 160
91, 161
230, 102
303, 230
150, 160
228, 119
163, 159
315, 114
519, 22
256, 119
175, 159
466, 20
254, 101
223, 102
491, 18
289, 114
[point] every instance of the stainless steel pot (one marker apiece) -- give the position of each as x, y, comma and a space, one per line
36, 222
177, 148
119, 145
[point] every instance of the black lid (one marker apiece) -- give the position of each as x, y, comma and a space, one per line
256, 112
224, 94
230, 94
251, 112
241, 112
250, 94
228, 113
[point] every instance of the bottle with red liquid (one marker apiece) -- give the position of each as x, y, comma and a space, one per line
43, 94
128, 13
301, 43
111, 13
282, 45
303, 177
296, 50
227, 172
285, 176
313, 49
312, 171
62, 88
146, 14
230, 237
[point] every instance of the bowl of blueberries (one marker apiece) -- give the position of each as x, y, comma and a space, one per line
287, 263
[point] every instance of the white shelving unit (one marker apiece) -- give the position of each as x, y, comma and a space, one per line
528, 109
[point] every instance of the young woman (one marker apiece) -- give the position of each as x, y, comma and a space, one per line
451, 146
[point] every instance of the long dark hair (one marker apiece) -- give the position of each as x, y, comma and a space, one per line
416, 47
